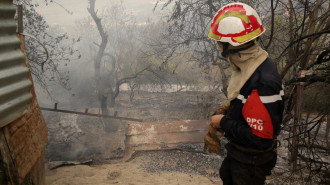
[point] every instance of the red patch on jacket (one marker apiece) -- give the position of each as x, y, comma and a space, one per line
256, 115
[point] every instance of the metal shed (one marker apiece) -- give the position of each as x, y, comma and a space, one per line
15, 86
23, 132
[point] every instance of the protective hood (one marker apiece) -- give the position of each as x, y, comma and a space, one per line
243, 64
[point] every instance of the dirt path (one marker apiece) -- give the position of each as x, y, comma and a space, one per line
126, 173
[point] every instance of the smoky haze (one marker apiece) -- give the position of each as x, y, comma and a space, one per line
66, 12
124, 59
135, 64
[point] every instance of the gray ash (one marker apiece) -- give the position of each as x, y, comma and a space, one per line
182, 161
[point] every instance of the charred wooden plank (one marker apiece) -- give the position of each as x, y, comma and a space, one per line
163, 135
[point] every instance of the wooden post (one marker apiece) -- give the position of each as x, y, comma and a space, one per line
19, 19
297, 121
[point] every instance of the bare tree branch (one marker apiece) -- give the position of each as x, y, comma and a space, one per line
272, 24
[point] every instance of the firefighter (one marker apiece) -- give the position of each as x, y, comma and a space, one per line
252, 121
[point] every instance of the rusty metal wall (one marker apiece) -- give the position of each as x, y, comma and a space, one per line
15, 85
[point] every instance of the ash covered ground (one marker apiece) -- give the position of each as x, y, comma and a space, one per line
82, 138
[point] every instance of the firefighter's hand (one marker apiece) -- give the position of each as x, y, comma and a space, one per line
215, 120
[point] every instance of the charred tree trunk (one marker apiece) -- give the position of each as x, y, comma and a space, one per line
104, 106
112, 101
132, 87
98, 58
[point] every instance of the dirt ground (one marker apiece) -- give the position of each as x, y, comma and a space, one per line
126, 173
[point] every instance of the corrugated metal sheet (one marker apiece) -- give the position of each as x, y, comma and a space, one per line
15, 86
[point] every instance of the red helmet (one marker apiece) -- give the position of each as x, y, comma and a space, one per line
236, 23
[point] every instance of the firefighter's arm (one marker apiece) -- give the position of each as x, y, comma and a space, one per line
238, 131
260, 113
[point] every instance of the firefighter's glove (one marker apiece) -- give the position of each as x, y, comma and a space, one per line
212, 140
215, 120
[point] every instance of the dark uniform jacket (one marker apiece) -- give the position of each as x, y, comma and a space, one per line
253, 120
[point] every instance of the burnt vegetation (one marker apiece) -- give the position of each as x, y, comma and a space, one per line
115, 51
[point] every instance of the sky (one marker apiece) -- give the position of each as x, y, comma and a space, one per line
55, 14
